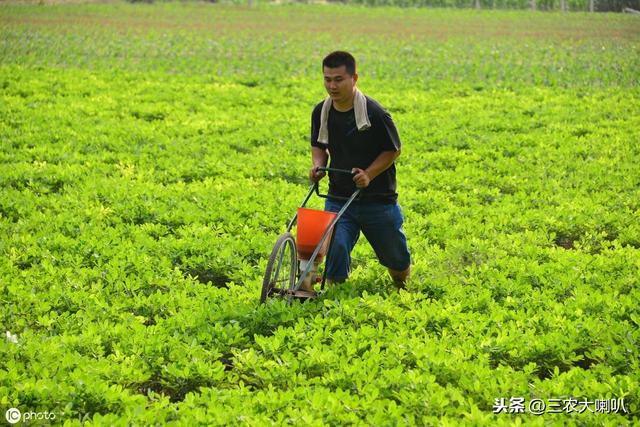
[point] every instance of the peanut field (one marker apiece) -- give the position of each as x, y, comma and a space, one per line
150, 155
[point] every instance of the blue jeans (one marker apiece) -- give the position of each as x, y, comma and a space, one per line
380, 223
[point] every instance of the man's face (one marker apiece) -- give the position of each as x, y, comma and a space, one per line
338, 83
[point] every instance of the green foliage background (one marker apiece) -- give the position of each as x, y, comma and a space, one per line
151, 154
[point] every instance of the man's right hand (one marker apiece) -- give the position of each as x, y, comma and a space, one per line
315, 175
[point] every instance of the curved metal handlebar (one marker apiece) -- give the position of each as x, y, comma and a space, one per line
315, 189
350, 172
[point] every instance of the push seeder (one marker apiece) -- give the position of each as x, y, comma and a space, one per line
294, 260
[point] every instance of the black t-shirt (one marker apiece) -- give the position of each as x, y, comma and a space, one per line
350, 148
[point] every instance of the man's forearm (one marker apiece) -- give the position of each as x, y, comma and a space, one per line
319, 157
381, 163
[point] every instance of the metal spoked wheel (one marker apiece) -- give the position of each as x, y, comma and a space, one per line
282, 268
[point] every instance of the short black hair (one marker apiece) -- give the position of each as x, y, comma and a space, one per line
339, 58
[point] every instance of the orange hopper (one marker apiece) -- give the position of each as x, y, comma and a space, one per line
312, 224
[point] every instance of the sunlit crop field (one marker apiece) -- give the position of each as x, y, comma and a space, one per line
151, 154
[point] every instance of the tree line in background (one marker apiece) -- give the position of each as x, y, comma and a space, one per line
567, 5
632, 6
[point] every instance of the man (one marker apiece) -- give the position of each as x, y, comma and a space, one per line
357, 134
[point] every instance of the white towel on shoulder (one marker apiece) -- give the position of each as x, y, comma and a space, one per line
360, 110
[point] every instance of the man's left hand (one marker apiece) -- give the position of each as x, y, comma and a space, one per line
361, 178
